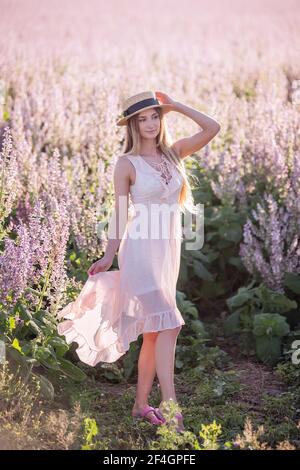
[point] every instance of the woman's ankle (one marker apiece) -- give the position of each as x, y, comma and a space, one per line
140, 405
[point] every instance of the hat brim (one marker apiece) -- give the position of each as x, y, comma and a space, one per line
123, 121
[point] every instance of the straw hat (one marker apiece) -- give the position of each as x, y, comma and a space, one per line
136, 103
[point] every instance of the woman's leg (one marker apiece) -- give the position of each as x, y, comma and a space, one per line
146, 370
165, 360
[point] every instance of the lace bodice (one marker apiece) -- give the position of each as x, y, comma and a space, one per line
155, 181
161, 167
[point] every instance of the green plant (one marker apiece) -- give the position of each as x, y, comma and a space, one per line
257, 314
268, 329
31, 340
209, 433
90, 431
192, 348
214, 269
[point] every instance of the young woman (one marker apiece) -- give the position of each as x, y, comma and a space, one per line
115, 307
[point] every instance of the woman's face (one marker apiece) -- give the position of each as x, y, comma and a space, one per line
149, 123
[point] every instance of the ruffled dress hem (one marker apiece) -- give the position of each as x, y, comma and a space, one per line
89, 354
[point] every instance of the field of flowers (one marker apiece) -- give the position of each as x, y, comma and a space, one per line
65, 69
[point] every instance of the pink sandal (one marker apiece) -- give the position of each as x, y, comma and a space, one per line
149, 414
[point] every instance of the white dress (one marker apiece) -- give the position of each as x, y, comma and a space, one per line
115, 307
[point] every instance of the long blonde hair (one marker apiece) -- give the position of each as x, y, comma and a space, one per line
132, 146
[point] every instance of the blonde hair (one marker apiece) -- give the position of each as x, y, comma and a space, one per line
132, 146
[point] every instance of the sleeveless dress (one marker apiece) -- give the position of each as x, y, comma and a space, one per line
115, 307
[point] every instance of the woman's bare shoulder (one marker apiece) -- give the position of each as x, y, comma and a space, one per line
123, 167
124, 158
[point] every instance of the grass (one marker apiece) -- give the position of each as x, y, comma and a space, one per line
242, 405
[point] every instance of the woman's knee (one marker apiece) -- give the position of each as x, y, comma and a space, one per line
150, 336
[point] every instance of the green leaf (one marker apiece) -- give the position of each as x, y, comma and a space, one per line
198, 327
199, 255
16, 345
270, 324
212, 256
49, 362
11, 323
201, 271
25, 313
231, 323
210, 235
42, 353
71, 370
190, 309
60, 345
239, 299
292, 281
274, 302
231, 232
236, 261
35, 327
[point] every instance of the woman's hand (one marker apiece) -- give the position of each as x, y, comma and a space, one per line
101, 265
165, 99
